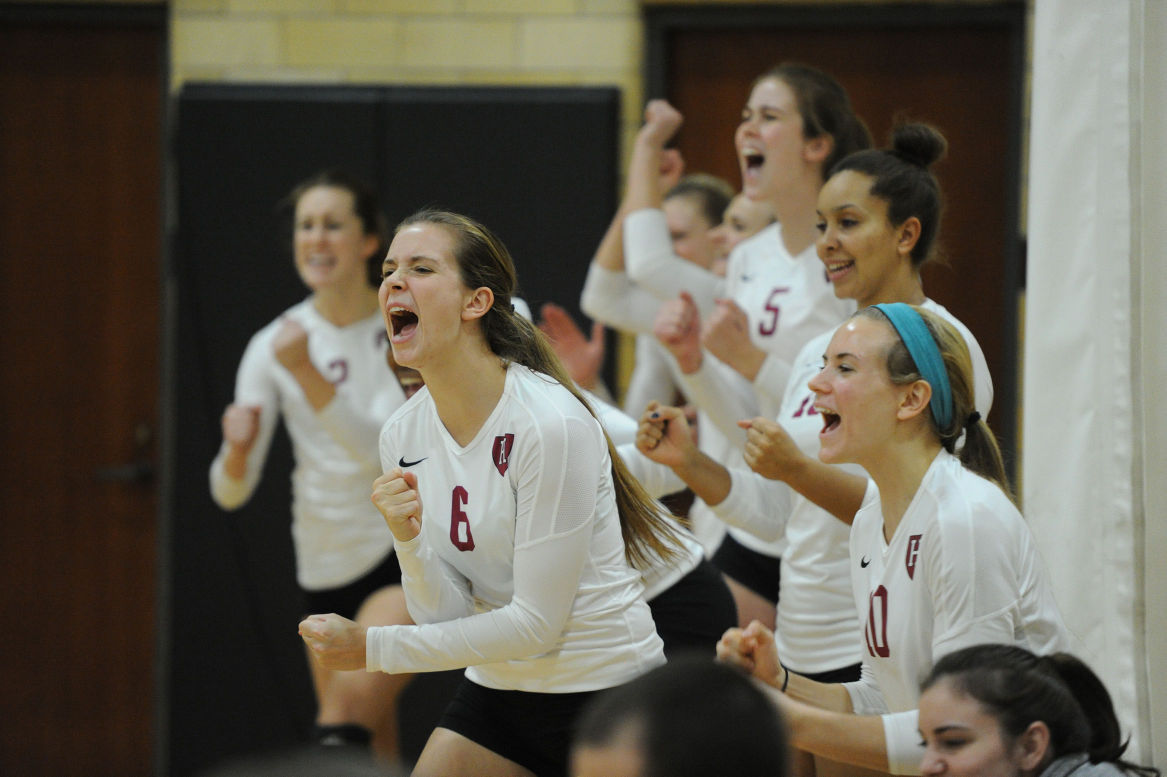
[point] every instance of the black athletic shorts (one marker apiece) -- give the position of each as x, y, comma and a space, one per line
693, 613
756, 571
534, 730
347, 599
847, 674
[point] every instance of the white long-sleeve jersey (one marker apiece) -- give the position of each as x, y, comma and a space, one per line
338, 534
519, 571
817, 625
961, 569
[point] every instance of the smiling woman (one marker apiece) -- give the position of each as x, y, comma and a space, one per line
1001, 711
520, 533
323, 366
940, 558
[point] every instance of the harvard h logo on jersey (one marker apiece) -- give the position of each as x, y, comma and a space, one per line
502, 452
913, 555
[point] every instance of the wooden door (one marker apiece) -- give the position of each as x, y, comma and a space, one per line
80, 186
960, 69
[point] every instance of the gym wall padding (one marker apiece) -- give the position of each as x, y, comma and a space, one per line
537, 165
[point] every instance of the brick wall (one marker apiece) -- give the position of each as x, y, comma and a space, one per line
498, 42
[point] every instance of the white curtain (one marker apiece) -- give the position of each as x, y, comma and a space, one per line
1086, 464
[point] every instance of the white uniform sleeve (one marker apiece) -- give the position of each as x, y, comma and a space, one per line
756, 504
866, 698
657, 479
652, 265
254, 386
357, 432
620, 426
724, 395
556, 506
652, 377
973, 582
901, 733
434, 591
770, 384
612, 298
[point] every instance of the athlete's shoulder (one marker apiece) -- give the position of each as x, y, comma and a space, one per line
541, 408
969, 504
760, 245
298, 312
935, 307
814, 349
539, 391
412, 411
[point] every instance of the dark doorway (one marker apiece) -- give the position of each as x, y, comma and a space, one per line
80, 246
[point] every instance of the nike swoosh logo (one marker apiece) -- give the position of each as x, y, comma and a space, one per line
403, 463
863, 562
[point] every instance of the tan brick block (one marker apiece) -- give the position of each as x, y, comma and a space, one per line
458, 43
581, 42
391, 7
180, 7
522, 7
179, 77
520, 78
400, 76
286, 75
322, 7
224, 42
334, 41
629, 8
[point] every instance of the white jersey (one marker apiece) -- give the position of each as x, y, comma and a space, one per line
519, 571
961, 569
817, 624
788, 300
817, 628
611, 297
653, 377
337, 532
652, 265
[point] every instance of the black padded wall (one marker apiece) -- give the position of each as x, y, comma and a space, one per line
537, 165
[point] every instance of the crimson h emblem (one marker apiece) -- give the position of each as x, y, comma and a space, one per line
502, 452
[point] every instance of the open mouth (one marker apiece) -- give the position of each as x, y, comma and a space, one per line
835, 269
753, 160
321, 261
403, 321
830, 420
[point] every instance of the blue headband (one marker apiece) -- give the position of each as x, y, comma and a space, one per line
926, 354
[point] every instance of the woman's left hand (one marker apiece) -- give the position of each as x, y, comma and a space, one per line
291, 345
753, 650
726, 335
336, 643
769, 450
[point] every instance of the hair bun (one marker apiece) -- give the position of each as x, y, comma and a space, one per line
919, 144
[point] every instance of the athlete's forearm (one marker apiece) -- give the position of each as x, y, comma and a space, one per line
838, 492
840, 736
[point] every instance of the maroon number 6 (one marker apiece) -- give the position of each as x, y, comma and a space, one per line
459, 522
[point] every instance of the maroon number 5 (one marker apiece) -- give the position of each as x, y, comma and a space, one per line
876, 631
459, 522
768, 325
